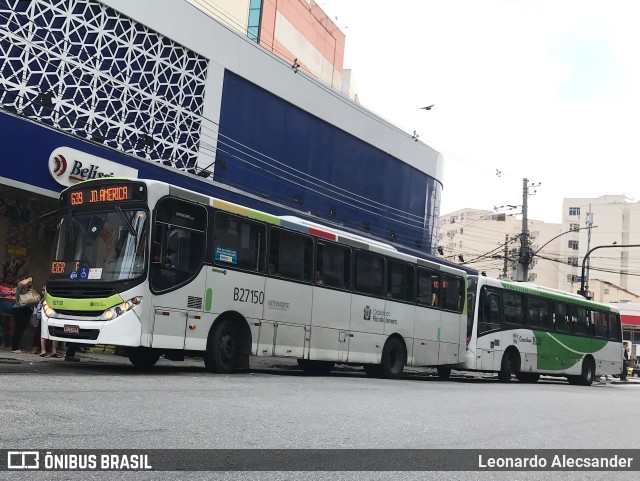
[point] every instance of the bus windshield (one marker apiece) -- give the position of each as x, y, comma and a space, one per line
100, 246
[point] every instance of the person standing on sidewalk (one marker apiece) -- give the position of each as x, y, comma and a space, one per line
625, 360
21, 314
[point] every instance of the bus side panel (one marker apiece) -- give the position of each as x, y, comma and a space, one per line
172, 311
399, 318
450, 332
426, 329
330, 325
366, 330
288, 306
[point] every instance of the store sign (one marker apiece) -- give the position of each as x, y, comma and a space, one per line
69, 166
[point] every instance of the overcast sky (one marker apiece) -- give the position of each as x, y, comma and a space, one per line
547, 90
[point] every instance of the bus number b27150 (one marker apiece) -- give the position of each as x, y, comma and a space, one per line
248, 295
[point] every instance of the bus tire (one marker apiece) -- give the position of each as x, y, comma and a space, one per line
507, 367
142, 357
444, 373
393, 359
222, 348
588, 372
315, 368
528, 377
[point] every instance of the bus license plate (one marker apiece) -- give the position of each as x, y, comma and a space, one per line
70, 329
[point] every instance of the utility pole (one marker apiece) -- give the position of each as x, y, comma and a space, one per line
525, 250
588, 223
506, 254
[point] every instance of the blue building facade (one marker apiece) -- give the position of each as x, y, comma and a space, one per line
178, 97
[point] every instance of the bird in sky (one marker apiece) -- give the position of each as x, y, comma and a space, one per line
427, 108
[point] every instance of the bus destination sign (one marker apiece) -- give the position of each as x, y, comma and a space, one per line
100, 195
104, 194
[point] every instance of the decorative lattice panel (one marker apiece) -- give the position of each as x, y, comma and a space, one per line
86, 69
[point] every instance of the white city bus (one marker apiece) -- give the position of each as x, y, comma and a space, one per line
526, 330
166, 271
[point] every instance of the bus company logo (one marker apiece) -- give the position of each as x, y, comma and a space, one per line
515, 338
60, 165
367, 313
23, 460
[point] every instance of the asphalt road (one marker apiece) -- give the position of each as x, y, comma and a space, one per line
103, 403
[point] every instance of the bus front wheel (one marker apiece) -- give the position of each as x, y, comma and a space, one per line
222, 348
507, 367
143, 357
444, 372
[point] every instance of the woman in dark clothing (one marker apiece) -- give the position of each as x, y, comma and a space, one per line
21, 314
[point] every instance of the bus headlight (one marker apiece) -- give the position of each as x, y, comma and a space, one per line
120, 309
47, 310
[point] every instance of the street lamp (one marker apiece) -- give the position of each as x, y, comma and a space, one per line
584, 283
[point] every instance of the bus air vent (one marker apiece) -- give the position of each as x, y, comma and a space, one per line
194, 302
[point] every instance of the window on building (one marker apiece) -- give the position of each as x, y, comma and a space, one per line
573, 244
253, 22
452, 220
574, 211
574, 227
572, 261
461, 230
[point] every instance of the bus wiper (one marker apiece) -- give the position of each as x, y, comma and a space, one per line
126, 221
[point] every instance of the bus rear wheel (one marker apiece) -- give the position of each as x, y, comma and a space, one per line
315, 368
222, 348
588, 372
393, 359
528, 377
143, 357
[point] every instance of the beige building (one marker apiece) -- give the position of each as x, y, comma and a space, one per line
614, 221
490, 242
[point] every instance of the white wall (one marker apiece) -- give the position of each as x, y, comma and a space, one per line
190, 27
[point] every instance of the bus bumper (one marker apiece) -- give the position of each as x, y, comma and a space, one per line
125, 330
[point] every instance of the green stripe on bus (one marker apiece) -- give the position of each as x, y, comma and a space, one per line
208, 298
97, 304
554, 296
557, 352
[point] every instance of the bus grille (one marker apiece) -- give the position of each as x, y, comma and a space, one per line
81, 292
80, 313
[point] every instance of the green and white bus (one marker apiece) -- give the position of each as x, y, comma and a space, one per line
527, 330
162, 270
